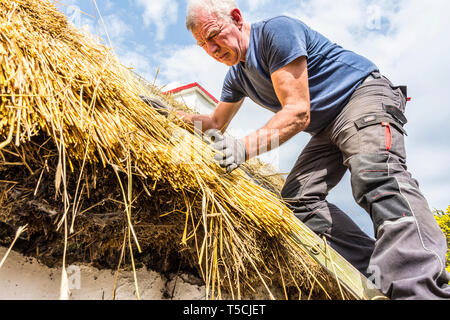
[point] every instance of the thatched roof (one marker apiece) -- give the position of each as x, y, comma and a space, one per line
98, 175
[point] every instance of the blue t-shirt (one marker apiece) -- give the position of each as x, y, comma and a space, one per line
334, 73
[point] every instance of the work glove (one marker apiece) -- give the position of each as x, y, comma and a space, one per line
230, 152
158, 104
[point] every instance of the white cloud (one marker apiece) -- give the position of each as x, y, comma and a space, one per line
160, 13
191, 64
253, 5
117, 29
139, 63
108, 4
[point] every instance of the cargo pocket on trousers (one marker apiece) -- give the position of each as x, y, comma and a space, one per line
378, 133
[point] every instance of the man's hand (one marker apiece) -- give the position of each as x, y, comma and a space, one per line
230, 152
158, 104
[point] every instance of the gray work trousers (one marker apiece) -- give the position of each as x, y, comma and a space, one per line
407, 259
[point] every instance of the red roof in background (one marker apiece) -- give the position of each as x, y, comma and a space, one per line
192, 85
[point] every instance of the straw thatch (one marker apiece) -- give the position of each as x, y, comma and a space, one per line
98, 175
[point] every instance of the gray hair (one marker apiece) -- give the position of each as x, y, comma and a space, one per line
220, 8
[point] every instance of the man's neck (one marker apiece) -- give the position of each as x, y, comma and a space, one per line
245, 40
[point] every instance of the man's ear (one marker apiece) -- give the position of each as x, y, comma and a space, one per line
236, 15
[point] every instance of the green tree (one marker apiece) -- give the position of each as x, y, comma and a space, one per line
443, 219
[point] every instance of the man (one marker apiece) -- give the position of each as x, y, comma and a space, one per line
355, 117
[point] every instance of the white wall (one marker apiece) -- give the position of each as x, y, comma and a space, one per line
195, 99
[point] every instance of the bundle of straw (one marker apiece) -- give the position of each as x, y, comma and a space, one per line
58, 82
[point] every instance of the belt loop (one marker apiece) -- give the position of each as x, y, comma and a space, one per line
376, 74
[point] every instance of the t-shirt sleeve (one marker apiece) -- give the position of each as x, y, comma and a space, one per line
230, 90
284, 40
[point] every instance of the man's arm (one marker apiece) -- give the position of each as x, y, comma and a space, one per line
219, 119
292, 89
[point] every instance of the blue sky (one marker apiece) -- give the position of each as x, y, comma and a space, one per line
407, 39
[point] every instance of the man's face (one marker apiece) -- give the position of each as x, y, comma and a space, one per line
220, 39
